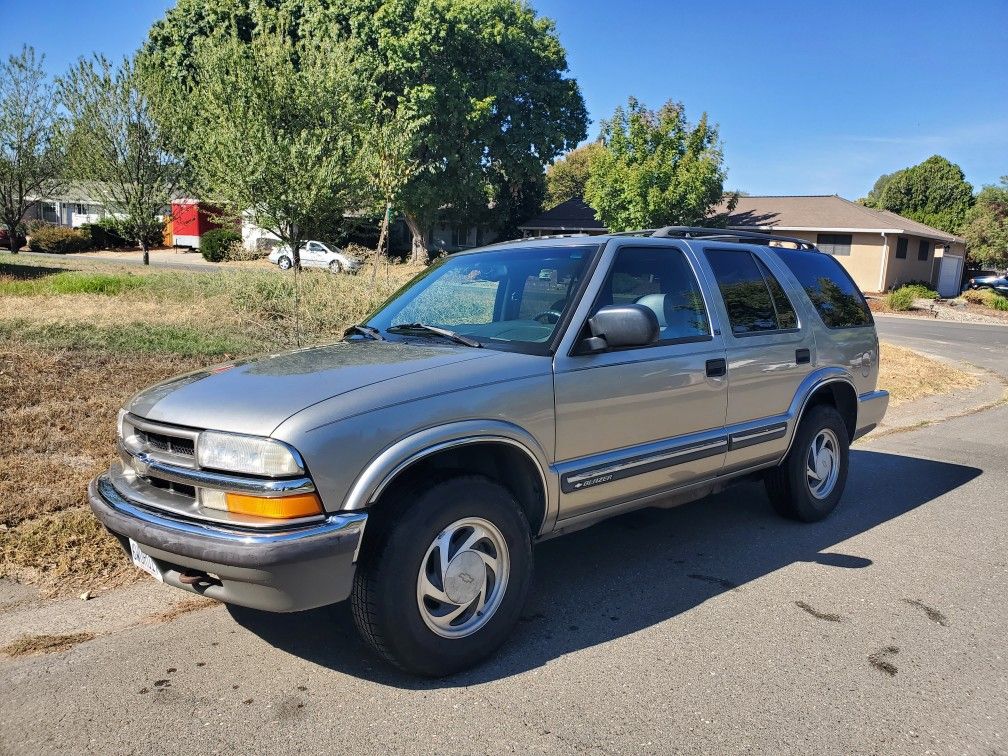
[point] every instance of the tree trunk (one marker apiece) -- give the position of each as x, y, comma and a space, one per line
146, 252
382, 239
418, 254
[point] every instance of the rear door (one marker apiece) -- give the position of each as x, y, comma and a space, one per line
631, 422
769, 351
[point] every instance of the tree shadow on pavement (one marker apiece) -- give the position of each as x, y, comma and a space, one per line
634, 571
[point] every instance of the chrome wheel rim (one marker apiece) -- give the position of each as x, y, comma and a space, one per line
822, 464
463, 577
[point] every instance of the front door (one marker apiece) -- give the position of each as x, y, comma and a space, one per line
631, 422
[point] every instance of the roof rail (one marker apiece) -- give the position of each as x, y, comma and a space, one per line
693, 232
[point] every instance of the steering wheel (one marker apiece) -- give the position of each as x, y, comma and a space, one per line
544, 317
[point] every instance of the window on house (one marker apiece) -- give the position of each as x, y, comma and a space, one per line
901, 247
923, 249
834, 244
755, 300
81, 209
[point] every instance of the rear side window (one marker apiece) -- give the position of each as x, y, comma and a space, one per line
835, 295
755, 300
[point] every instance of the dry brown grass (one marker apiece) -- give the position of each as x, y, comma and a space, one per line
44, 644
59, 411
183, 607
908, 375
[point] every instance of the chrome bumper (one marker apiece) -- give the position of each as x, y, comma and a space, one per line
870, 411
280, 570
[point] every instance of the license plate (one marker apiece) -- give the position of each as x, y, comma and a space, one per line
144, 561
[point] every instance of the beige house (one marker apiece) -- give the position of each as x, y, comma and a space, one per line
878, 248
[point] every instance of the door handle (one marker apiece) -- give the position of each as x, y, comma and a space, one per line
802, 356
717, 368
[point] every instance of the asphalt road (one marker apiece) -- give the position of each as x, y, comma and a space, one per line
713, 627
981, 345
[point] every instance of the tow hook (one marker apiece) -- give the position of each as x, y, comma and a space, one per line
199, 581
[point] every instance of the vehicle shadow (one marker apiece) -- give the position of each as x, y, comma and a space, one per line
634, 571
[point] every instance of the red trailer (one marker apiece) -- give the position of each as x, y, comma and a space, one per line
190, 220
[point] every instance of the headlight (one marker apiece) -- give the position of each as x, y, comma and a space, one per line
246, 454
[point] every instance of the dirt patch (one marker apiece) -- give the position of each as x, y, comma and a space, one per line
183, 607
932, 614
27, 645
817, 614
907, 375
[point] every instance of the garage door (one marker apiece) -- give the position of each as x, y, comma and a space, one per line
950, 276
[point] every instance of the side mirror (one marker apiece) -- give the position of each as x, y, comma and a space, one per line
619, 326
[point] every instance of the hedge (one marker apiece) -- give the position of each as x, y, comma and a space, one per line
214, 245
59, 239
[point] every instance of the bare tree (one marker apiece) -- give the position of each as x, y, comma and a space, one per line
117, 145
31, 159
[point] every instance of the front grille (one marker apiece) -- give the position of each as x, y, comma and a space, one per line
165, 443
177, 488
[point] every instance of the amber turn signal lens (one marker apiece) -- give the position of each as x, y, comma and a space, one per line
279, 508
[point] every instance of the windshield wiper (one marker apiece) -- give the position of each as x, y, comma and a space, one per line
423, 328
364, 330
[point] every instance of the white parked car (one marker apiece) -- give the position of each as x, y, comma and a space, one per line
315, 254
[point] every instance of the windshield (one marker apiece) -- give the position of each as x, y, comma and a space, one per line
508, 298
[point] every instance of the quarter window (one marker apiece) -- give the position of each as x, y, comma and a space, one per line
901, 247
923, 249
834, 244
661, 279
830, 288
755, 300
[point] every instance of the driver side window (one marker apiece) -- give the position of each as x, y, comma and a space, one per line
661, 279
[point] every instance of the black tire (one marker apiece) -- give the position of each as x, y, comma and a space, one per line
284, 262
788, 485
384, 600
335, 267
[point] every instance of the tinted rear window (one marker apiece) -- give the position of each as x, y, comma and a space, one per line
835, 295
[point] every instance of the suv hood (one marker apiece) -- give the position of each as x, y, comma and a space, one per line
256, 396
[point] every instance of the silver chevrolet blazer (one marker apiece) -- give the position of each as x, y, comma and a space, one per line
504, 396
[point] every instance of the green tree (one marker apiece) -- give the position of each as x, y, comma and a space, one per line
276, 131
567, 177
986, 226
934, 192
656, 169
486, 77
119, 148
31, 156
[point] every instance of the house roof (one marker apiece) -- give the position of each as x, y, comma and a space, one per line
827, 212
572, 215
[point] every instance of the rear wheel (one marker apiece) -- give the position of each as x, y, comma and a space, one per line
445, 577
808, 484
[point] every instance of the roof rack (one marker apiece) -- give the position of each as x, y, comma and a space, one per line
706, 232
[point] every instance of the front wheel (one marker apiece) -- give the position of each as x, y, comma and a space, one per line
285, 263
445, 579
808, 484
335, 267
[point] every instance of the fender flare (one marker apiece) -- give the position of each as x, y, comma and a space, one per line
812, 383
393, 460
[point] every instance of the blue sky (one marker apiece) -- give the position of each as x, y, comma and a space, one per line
812, 97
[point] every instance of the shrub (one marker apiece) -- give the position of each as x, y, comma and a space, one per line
920, 290
1000, 303
59, 239
214, 245
106, 234
985, 297
900, 299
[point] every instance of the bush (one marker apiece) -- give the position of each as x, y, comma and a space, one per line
1000, 303
59, 239
106, 234
920, 290
987, 298
214, 245
900, 299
